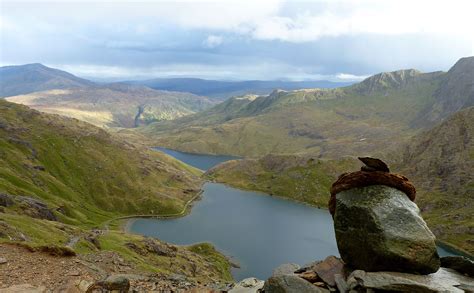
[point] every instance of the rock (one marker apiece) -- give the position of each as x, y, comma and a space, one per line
444, 280
285, 269
290, 284
249, 285
3, 260
111, 283
459, 263
24, 288
160, 248
83, 285
378, 228
6, 200
93, 239
36, 208
373, 164
309, 276
328, 268
341, 283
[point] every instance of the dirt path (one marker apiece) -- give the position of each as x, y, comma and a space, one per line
24, 270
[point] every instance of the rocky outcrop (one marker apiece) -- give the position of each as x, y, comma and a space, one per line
291, 284
444, 280
332, 275
378, 228
6, 200
36, 208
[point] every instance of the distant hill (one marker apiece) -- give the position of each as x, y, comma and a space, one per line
106, 105
115, 105
222, 90
381, 112
23, 79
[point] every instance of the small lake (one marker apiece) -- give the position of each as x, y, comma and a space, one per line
203, 162
258, 231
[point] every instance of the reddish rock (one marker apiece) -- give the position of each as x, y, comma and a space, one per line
327, 269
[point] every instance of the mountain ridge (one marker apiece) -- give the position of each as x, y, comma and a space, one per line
327, 122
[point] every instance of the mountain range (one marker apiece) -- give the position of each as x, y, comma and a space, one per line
105, 105
123, 104
379, 113
222, 90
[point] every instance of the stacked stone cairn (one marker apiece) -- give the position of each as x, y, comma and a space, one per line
384, 243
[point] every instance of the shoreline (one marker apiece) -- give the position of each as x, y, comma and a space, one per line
126, 227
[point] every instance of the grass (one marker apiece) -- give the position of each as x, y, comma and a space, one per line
300, 178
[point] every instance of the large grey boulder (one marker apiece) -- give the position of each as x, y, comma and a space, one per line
290, 284
444, 280
378, 228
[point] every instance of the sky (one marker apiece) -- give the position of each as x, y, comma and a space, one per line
236, 40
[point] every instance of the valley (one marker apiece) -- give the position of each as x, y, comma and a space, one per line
76, 169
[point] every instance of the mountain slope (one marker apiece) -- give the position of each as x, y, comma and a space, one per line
115, 105
441, 164
358, 119
61, 183
222, 90
84, 170
23, 79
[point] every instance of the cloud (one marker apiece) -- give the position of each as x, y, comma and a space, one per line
212, 41
245, 39
350, 77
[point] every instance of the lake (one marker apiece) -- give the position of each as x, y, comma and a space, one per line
258, 231
200, 161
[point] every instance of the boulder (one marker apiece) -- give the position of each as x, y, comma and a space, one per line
285, 269
3, 260
459, 263
291, 284
378, 228
249, 285
111, 283
444, 280
327, 269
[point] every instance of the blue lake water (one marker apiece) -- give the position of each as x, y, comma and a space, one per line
203, 162
259, 231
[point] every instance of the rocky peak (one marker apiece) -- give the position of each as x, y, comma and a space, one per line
387, 80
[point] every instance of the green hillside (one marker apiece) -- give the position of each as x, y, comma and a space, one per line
60, 178
363, 118
300, 178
